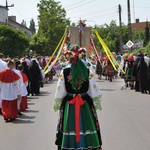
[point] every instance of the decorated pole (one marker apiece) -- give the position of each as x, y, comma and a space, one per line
80, 35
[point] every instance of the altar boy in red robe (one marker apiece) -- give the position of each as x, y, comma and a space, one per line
8, 83
24, 92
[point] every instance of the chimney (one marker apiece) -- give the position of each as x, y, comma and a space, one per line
137, 20
13, 18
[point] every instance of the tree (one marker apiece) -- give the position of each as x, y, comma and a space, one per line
32, 26
52, 24
111, 34
147, 34
13, 42
23, 23
147, 49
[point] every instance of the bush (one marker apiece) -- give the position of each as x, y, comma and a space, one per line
13, 42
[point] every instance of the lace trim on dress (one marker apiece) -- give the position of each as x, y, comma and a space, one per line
57, 104
97, 102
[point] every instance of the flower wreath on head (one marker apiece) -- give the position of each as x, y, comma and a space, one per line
79, 71
68, 54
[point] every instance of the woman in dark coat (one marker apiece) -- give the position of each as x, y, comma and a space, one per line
26, 71
35, 75
148, 72
142, 75
135, 74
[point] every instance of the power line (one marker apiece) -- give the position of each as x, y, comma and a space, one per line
97, 12
81, 5
75, 3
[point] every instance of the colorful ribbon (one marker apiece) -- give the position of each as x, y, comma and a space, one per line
78, 101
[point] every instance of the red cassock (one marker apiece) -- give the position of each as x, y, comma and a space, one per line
24, 104
9, 107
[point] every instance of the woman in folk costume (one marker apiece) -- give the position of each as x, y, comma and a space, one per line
110, 71
104, 67
23, 104
77, 97
9, 81
124, 67
129, 78
98, 69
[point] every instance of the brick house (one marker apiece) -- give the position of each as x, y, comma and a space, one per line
139, 26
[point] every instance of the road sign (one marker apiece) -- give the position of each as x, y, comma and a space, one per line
129, 44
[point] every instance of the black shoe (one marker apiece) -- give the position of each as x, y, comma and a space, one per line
145, 91
19, 113
132, 87
7, 120
12, 119
1, 112
137, 90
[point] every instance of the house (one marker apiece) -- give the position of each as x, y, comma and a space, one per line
139, 26
11, 21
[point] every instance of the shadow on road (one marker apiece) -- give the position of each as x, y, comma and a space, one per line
31, 111
20, 121
107, 90
26, 117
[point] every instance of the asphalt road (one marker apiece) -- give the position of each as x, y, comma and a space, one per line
124, 120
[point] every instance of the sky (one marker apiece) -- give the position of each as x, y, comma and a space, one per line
95, 12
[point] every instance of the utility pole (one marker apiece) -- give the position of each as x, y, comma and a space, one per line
12, 5
120, 23
129, 23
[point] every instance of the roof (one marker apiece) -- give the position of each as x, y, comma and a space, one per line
3, 7
139, 26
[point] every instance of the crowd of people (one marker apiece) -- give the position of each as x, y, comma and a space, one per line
30, 71
135, 70
77, 94
19, 78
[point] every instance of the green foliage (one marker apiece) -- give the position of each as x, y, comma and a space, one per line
24, 23
147, 34
32, 26
38, 45
52, 24
12, 42
138, 35
111, 36
147, 49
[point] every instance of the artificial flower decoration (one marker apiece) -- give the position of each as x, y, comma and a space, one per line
76, 85
60, 76
91, 76
82, 50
